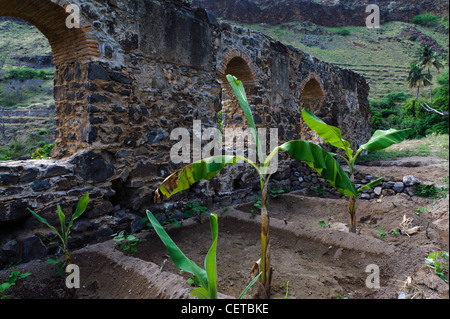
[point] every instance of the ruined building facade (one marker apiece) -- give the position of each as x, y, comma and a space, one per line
134, 71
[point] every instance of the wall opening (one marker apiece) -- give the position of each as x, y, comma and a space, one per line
27, 105
71, 48
312, 98
238, 64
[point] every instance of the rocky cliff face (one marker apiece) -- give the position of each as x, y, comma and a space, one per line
326, 13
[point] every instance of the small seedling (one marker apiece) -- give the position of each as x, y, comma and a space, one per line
340, 295
12, 279
194, 209
63, 235
395, 232
287, 290
322, 223
382, 233
256, 210
127, 243
318, 190
433, 262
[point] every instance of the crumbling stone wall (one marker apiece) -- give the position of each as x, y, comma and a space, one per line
156, 65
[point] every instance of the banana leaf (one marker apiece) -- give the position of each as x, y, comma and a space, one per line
239, 91
371, 184
382, 139
329, 133
207, 279
322, 162
183, 178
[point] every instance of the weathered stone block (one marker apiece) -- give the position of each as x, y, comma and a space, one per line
40, 186
97, 72
92, 166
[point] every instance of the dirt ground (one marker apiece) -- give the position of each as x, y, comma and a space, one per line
317, 261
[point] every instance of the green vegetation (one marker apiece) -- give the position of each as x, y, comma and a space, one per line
381, 55
23, 73
64, 232
12, 280
427, 19
423, 117
438, 261
331, 134
314, 156
205, 278
344, 32
44, 151
127, 243
431, 145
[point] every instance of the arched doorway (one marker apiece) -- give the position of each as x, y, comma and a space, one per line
72, 49
312, 98
238, 64
27, 106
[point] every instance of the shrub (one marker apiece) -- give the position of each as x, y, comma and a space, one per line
426, 19
344, 32
23, 74
43, 152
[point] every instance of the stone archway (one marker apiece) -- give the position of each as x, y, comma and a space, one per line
238, 64
312, 98
72, 49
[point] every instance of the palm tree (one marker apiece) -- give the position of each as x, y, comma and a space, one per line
427, 58
417, 78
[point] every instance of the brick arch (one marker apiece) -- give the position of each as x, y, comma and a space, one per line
238, 64
49, 17
312, 87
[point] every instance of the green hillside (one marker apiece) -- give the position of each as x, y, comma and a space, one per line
382, 55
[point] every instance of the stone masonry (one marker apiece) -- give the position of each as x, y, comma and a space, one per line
133, 72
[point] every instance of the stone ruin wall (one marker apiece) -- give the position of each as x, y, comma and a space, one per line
133, 72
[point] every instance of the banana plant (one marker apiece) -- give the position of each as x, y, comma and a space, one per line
331, 134
313, 155
63, 235
206, 278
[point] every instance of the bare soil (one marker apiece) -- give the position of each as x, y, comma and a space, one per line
317, 261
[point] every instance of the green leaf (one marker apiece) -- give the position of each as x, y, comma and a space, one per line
178, 257
239, 91
329, 133
201, 293
62, 219
44, 221
322, 162
204, 169
81, 207
210, 260
382, 139
5, 286
52, 260
249, 286
371, 184
24, 275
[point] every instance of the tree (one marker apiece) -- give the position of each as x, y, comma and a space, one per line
427, 59
417, 78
